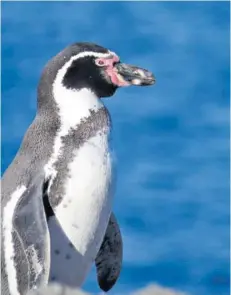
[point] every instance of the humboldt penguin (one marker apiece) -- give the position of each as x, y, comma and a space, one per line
64, 160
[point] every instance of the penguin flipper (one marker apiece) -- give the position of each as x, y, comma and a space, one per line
31, 239
109, 258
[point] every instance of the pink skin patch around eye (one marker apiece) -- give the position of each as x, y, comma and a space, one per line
116, 78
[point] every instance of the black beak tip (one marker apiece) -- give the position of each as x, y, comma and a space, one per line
150, 80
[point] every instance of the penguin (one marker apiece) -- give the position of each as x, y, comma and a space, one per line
66, 157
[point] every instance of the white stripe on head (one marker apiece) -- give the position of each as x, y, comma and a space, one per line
8, 229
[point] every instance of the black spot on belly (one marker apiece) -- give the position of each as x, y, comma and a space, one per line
57, 252
68, 256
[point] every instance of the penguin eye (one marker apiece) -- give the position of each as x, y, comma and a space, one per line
100, 62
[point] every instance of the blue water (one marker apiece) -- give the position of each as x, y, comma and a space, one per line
171, 140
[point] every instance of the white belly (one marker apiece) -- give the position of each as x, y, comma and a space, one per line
67, 266
85, 209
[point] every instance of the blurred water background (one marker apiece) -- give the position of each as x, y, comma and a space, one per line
171, 140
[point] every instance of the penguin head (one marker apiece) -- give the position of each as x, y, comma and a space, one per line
88, 65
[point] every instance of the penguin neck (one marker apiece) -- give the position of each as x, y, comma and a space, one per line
74, 106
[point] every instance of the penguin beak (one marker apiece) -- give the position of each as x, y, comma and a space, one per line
133, 75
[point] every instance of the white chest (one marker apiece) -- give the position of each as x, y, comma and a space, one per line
86, 205
84, 210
